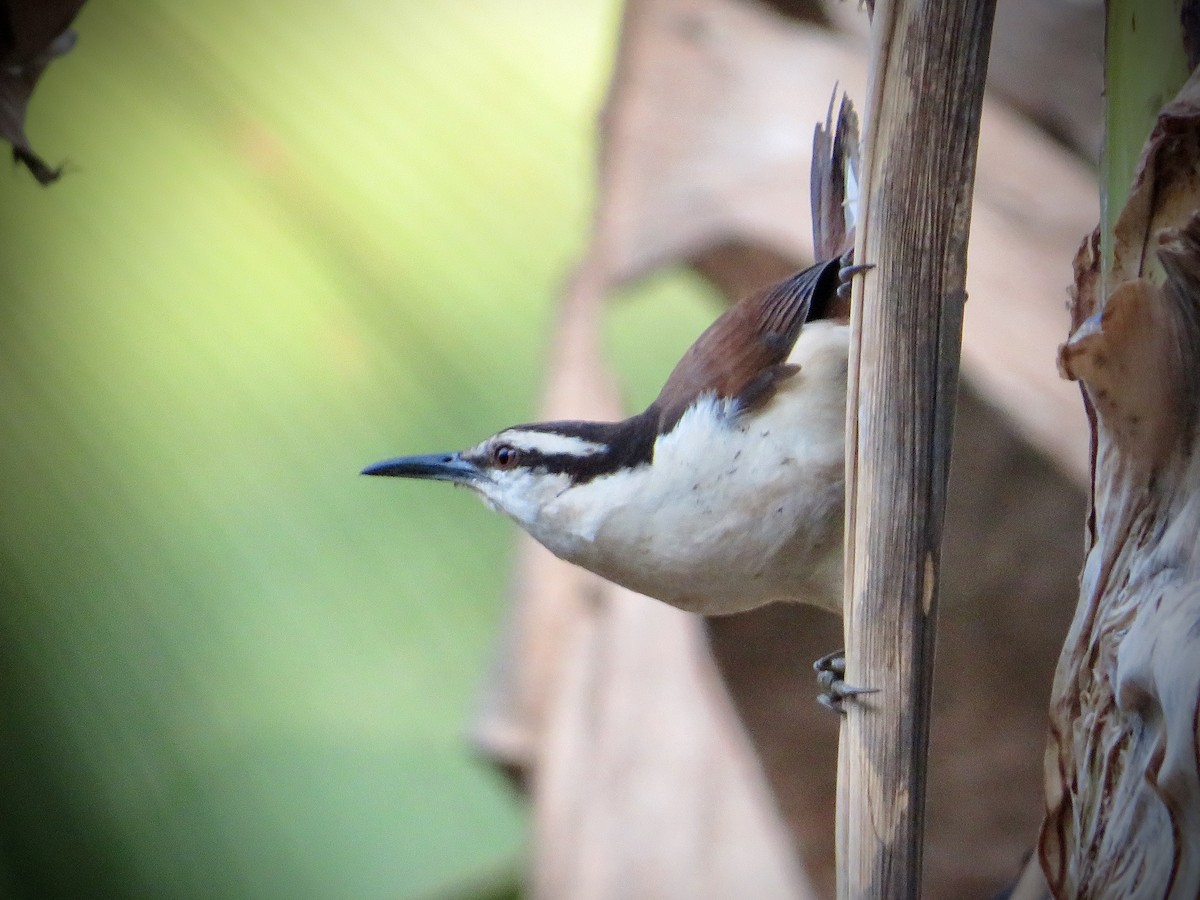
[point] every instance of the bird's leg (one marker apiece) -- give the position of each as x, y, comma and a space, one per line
831, 672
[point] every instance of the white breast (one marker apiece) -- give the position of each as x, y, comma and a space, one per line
736, 510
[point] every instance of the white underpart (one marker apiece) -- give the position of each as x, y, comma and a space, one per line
734, 512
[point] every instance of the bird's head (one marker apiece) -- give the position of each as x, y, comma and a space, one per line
521, 470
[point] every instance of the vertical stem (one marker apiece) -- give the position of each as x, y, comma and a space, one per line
928, 65
1144, 67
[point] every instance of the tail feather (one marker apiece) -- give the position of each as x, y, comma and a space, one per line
834, 181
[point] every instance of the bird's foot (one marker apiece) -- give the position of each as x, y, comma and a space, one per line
831, 674
847, 272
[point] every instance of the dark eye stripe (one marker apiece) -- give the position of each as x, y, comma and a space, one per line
626, 444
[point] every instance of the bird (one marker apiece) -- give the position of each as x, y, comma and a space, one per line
724, 494
727, 492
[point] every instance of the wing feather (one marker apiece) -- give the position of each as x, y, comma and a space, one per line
741, 355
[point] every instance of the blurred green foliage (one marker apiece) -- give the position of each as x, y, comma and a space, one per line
293, 239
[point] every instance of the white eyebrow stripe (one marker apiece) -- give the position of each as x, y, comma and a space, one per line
551, 444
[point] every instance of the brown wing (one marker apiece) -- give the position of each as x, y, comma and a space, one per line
743, 354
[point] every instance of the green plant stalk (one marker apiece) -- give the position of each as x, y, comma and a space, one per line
1144, 67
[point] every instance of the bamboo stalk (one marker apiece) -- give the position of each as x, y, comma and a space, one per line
928, 65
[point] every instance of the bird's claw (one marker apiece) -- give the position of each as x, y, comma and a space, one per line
847, 272
831, 672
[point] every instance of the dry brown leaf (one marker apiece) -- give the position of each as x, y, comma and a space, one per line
647, 785
36, 32
1123, 763
708, 132
1165, 186
1123, 786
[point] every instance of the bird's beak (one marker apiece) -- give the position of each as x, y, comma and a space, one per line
434, 466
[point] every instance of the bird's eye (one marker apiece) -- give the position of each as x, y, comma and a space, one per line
505, 456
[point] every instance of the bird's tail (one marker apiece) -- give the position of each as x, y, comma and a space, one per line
834, 181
